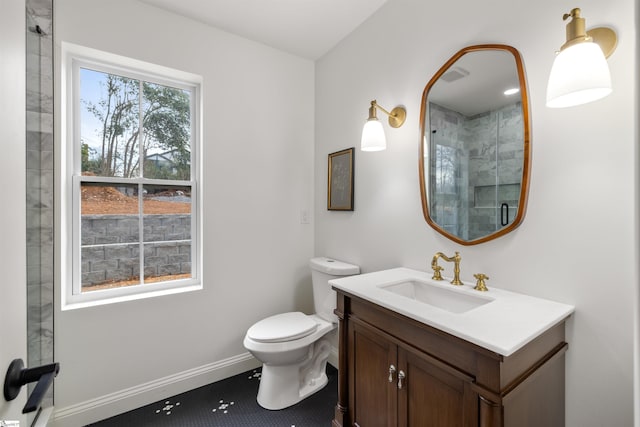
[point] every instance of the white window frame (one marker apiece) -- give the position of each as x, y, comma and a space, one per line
74, 57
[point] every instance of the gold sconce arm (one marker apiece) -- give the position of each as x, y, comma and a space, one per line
397, 116
577, 33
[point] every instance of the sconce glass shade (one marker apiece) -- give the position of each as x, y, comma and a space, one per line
373, 138
579, 74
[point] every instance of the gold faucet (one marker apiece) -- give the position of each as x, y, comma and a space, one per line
480, 284
456, 267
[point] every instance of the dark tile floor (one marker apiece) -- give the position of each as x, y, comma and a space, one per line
231, 403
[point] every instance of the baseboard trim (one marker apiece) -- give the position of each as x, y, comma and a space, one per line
42, 419
131, 398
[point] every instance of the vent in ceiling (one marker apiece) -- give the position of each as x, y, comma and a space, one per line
455, 73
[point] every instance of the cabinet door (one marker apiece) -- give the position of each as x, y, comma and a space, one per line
433, 394
372, 397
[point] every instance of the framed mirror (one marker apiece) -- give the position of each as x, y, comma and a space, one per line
475, 145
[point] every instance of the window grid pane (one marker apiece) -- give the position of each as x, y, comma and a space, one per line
167, 232
110, 235
109, 114
133, 210
111, 238
167, 132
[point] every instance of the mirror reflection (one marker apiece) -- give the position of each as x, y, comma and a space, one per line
475, 145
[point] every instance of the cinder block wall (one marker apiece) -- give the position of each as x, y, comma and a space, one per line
111, 253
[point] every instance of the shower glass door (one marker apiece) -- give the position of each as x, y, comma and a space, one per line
39, 184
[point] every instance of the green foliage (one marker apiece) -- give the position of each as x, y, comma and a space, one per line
166, 126
90, 161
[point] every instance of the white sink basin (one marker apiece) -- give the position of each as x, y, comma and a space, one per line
498, 320
436, 296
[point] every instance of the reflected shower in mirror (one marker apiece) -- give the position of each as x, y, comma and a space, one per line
474, 161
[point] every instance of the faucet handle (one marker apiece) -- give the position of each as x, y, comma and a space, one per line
480, 285
436, 272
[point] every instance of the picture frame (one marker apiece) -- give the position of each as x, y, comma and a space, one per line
340, 180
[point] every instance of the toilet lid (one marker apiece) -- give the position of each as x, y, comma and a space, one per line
282, 327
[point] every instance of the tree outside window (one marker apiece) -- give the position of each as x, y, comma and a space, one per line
135, 182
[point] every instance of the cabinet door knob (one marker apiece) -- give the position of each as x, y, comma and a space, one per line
401, 376
392, 370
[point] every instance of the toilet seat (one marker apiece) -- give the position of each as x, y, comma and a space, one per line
282, 328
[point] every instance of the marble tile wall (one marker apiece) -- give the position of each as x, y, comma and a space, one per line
498, 148
478, 146
39, 182
449, 139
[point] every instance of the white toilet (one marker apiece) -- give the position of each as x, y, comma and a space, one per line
293, 347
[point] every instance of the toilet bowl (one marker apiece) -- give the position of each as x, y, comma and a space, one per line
294, 347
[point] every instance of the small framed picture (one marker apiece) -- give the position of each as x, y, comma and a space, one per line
340, 185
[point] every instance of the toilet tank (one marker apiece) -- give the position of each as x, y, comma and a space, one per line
324, 269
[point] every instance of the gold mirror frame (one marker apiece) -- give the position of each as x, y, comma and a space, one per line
526, 167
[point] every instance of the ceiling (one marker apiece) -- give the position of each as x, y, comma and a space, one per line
307, 28
482, 77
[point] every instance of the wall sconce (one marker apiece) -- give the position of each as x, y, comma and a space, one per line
373, 138
580, 73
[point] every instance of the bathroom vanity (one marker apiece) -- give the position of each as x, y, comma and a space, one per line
415, 352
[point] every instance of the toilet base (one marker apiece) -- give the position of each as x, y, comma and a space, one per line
284, 386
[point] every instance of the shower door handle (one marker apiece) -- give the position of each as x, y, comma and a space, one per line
17, 376
504, 219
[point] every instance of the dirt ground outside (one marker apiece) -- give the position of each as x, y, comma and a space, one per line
106, 200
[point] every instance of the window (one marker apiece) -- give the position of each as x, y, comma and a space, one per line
132, 197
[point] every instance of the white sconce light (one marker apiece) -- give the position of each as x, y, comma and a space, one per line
580, 73
373, 138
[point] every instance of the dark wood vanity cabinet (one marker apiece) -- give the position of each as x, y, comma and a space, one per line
395, 371
382, 394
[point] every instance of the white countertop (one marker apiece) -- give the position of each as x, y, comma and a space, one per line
503, 325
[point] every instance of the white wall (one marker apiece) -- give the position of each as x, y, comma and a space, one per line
258, 176
578, 242
13, 263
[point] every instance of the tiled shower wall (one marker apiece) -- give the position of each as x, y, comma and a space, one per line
449, 144
469, 196
495, 168
39, 183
